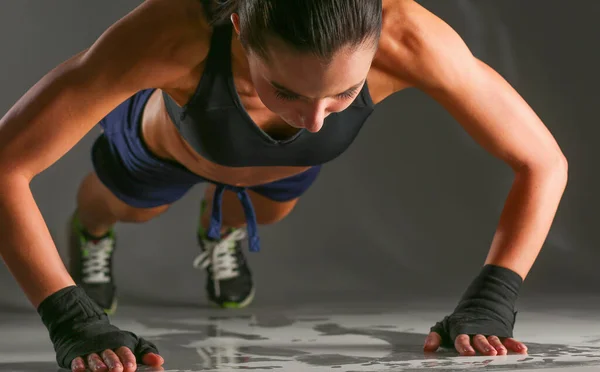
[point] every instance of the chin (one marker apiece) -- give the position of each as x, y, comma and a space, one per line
296, 126
291, 123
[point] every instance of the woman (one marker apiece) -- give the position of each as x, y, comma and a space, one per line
251, 96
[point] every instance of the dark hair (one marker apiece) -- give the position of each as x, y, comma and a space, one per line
320, 27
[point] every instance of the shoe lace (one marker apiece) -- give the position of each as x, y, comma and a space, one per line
221, 256
96, 261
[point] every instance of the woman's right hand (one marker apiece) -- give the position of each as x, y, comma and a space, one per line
156, 45
119, 360
84, 338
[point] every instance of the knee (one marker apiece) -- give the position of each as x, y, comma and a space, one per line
98, 205
272, 212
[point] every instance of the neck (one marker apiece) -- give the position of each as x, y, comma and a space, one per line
241, 70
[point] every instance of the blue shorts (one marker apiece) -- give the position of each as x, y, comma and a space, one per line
139, 178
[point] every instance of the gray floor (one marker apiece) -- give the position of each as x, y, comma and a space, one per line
346, 337
419, 228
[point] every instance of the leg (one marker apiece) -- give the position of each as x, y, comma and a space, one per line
267, 210
272, 202
98, 209
230, 281
93, 240
129, 184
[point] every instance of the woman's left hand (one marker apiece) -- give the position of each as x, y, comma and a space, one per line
468, 346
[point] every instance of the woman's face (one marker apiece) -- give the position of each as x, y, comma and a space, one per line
303, 90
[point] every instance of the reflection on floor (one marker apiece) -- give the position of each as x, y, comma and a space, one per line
316, 340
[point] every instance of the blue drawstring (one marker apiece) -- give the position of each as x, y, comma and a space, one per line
214, 230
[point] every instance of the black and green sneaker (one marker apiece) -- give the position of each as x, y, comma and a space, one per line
90, 265
229, 279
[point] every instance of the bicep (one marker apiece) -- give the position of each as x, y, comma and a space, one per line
67, 102
53, 116
496, 116
478, 97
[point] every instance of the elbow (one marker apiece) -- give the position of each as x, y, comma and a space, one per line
564, 165
11, 173
553, 167
558, 165
8, 178
561, 171
12, 184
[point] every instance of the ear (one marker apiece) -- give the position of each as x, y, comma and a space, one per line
235, 19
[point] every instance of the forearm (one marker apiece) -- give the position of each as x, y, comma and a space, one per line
26, 246
527, 217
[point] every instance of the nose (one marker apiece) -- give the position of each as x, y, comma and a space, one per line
313, 116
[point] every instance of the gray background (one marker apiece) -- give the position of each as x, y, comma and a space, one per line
407, 213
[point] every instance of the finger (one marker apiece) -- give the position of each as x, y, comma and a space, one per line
78, 365
127, 359
497, 344
463, 345
153, 360
483, 346
515, 346
432, 342
96, 364
112, 361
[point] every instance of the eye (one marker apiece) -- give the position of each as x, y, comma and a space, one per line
291, 97
285, 96
347, 95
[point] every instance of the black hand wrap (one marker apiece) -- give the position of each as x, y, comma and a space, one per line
78, 327
487, 307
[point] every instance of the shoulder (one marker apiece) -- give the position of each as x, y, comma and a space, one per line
172, 36
177, 28
418, 48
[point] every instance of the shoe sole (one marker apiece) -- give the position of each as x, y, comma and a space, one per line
113, 308
237, 305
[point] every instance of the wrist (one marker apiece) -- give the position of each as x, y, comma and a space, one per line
495, 288
68, 306
487, 307
48, 289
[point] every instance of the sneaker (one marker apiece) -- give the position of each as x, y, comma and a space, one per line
229, 279
90, 265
